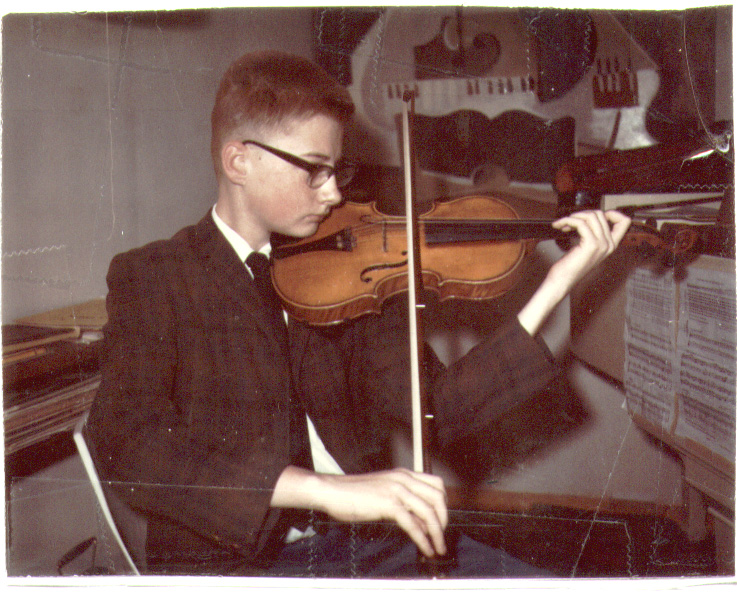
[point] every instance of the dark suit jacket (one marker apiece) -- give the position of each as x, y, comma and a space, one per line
192, 415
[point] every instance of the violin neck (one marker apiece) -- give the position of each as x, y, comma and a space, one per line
471, 230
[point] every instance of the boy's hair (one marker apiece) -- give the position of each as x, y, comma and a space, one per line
262, 89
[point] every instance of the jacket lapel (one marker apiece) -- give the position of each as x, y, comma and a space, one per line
230, 274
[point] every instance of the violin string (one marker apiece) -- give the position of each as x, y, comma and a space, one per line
393, 230
399, 222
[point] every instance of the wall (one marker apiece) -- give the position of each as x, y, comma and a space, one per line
106, 137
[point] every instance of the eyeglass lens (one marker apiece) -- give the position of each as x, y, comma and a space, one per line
343, 175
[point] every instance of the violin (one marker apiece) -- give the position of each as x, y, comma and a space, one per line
699, 162
471, 247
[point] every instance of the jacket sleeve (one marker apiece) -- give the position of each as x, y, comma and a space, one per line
496, 376
176, 448
467, 397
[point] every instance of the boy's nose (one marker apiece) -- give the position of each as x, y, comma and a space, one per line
330, 192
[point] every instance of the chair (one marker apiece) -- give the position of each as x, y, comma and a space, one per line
126, 523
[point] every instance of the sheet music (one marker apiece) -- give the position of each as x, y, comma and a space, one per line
680, 354
650, 347
706, 360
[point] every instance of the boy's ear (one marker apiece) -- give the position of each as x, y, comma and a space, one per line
233, 157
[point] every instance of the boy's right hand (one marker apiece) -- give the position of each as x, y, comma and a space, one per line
417, 502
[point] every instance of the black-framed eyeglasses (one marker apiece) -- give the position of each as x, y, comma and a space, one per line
318, 173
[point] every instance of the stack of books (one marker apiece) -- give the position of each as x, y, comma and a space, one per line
50, 372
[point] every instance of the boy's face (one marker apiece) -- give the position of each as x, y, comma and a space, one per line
279, 197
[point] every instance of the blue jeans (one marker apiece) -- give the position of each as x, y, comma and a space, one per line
342, 552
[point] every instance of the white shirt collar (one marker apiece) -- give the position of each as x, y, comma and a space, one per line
241, 246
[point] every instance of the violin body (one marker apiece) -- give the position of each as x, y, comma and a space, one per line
367, 263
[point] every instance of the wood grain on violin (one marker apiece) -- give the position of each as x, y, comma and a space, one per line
368, 260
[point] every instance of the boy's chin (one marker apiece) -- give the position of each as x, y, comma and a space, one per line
306, 230
297, 233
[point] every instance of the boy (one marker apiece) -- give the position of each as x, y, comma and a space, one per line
232, 443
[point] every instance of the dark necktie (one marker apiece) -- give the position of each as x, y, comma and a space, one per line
300, 448
259, 265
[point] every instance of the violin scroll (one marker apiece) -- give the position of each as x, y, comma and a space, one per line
673, 240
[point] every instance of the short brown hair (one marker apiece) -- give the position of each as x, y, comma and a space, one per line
264, 88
